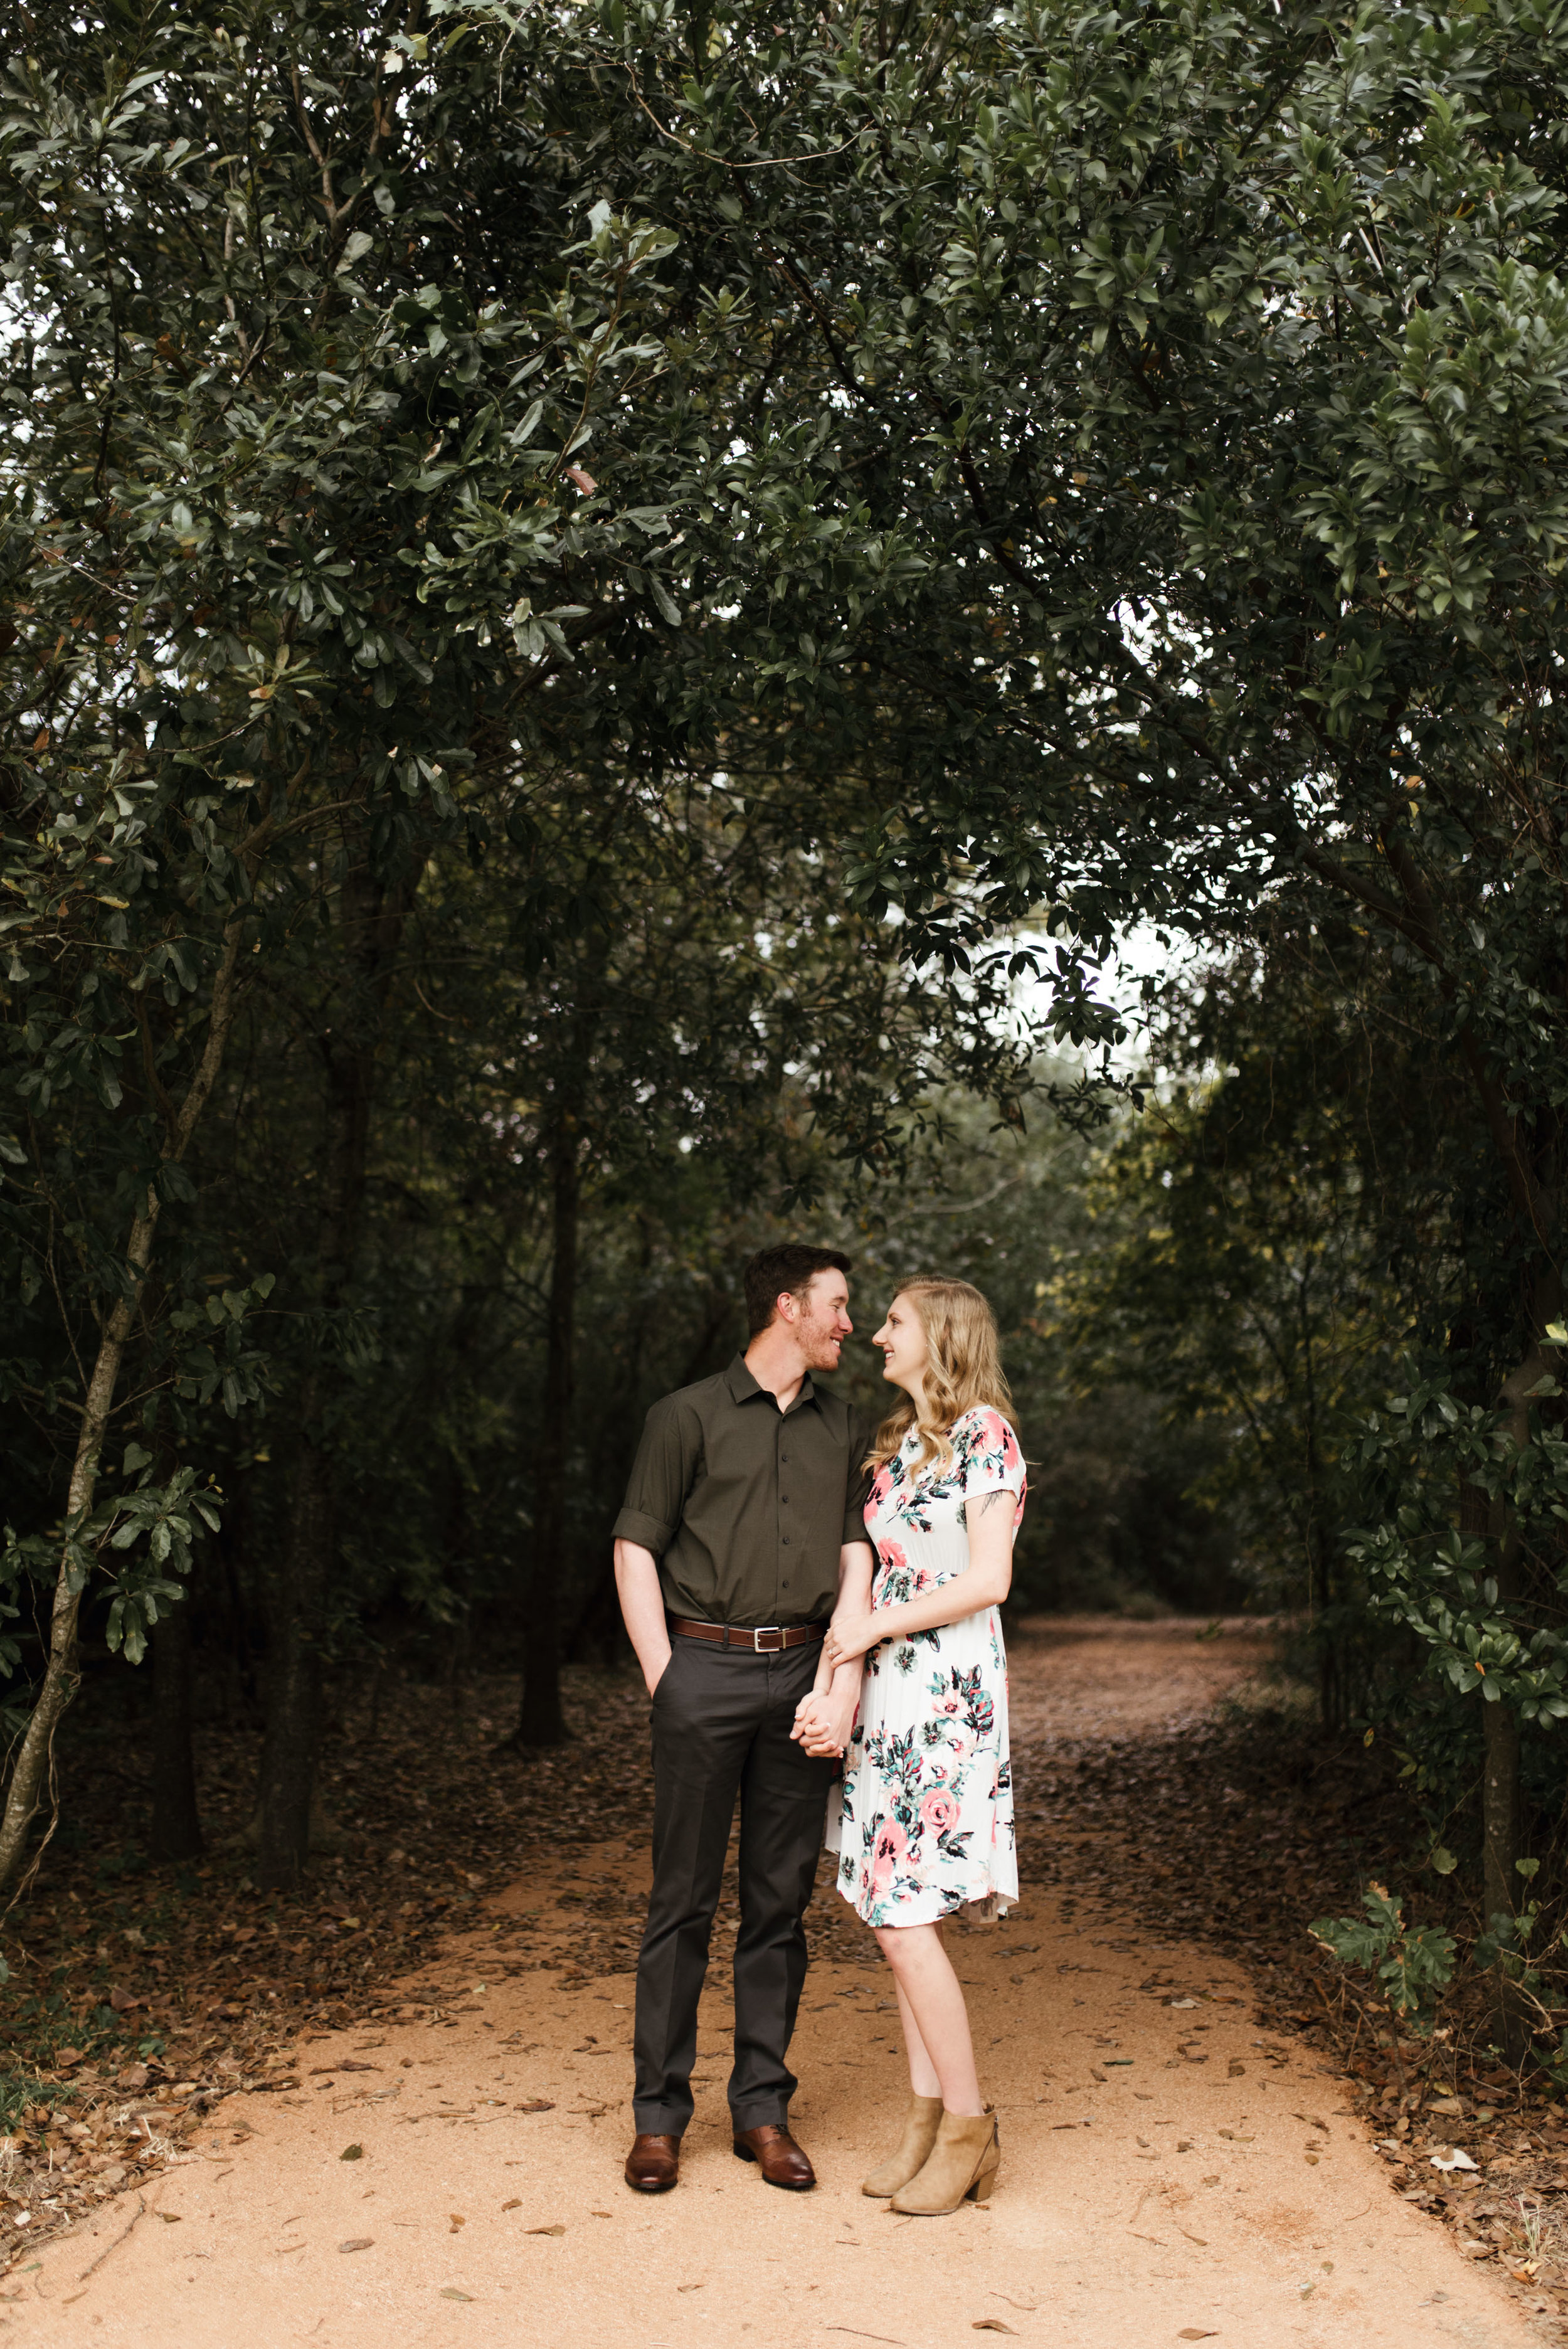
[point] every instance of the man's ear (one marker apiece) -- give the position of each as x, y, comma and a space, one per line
787, 1308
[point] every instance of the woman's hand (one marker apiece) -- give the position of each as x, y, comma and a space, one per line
850, 1636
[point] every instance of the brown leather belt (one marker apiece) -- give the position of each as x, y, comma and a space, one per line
767, 1639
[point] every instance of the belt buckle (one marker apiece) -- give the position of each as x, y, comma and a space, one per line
768, 1631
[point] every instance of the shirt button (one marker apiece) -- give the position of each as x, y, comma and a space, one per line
783, 1500
786, 1541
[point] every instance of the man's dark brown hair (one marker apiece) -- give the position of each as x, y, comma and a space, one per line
788, 1270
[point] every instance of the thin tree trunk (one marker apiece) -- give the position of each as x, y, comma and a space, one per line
1500, 1810
541, 1720
293, 1667
176, 1820
372, 922
33, 1769
1503, 1806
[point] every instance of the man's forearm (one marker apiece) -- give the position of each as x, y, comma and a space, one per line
844, 1688
643, 1609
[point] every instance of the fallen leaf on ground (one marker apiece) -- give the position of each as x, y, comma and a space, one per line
515, 2204
1195, 2332
458, 2220
169, 2218
348, 2064
1456, 2157
357, 2243
450, 2292
992, 2324
352, 2153
544, 2230
536, 2105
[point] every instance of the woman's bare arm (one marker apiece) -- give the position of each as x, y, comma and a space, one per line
987, 1583
824, 1719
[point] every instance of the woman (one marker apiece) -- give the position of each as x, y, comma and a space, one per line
923, 1820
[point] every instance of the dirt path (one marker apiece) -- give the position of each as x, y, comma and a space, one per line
1168, 2173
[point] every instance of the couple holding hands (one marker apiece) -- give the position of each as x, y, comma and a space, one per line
800, 1598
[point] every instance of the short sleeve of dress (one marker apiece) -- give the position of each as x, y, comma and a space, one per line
990, 1454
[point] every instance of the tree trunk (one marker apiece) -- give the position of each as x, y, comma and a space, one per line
33, 1768
539, 1720
1500, 1810
372, 923
176, 1822
1502, 1807
293, 1664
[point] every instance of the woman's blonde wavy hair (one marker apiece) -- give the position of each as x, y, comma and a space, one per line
963, 1368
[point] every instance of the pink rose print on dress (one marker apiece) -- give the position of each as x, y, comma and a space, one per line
1005, 1440
938, 1811
889, 1847
892, 1556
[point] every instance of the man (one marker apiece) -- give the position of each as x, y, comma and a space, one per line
743, 1510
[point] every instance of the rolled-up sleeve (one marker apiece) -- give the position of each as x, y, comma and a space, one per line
662, 1474
857, 1489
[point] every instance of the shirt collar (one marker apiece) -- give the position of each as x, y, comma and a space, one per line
743, 1386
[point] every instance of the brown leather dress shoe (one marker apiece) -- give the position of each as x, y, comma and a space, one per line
776, 2154
654, 2164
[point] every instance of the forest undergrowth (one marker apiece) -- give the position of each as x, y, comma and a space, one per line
141, 1996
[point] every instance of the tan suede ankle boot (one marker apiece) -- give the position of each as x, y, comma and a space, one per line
961, 2163
920, 2127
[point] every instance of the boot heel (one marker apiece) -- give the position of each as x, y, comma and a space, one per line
980, 2190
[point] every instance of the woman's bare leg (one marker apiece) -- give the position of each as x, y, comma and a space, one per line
923, 2079
930, 1999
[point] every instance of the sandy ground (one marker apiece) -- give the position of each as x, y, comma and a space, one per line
1167, 2173
1091, 1677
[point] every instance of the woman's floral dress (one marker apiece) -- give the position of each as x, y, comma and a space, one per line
922, 1819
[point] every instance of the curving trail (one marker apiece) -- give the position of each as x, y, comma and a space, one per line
1169, 2172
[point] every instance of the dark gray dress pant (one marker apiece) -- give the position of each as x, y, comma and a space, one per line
721, 1723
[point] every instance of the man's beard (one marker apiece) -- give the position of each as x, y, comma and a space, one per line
822, 1345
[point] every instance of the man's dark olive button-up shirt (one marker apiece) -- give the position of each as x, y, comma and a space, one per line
704, 1497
